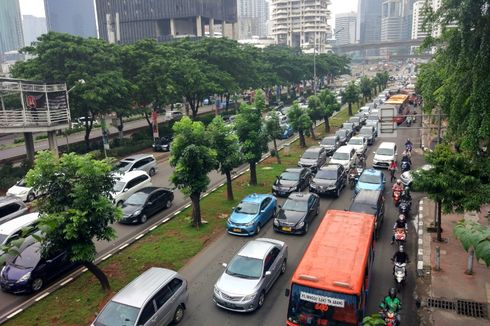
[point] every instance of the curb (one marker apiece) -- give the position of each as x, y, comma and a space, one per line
420, 238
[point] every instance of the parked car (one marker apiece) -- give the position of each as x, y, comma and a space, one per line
330, 143
13, 229
22, 191
356, 121
362, 117
344, 155
385, 153
369, 133
174, 115
359, 143
251, 214
138, 162
371, 179
128, 184
157, 297
373, 120
343, 136
297, 213
407, 176
313, 158
370, 202
250, 274
11, 208
349, 126
287, 131
330, 179
292, 179
30, 271
366, 109
144, 203
163, 144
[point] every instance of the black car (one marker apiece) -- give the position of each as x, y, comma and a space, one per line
370, 202
343, 136
292, 179
330, 179
330, 143
163, 144
313, 158
297, 213
144, 203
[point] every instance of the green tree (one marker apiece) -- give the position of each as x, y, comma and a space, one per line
366, 87
329, 106
300, 122
351, 95
274, 131
76, 210
227, 148
248, 125
315, 112
193, 158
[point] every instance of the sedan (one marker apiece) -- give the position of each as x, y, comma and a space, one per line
22, 191
297, 213
407, 177
331, 179
253, 212
29, 271
287, 131
313, 158
145, 203
371, 179
163, 144
250, 275
293, 179
342, 134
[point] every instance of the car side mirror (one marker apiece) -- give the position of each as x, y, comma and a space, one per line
233, 208
224, 265
374, 153
286, 292
268, 273
262, 210
125, 189
150, 203
49, 261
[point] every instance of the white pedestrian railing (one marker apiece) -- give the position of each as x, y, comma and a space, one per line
33, 118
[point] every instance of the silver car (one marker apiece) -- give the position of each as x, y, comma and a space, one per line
250, 275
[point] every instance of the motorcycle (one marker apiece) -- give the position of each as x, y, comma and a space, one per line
409, 121
389, 317
408, 147
404, 207
353, 177
400, 236
405, 166
400, 275
396, 197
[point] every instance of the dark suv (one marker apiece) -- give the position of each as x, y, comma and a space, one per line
370, 202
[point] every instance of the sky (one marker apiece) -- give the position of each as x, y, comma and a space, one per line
36, 7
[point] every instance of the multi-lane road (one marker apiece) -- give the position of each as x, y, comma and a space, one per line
203, 271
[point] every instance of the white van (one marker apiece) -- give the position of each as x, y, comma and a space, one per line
345, 156
128, 184
12, 229
383, 156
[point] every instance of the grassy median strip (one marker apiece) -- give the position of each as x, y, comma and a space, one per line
170, 245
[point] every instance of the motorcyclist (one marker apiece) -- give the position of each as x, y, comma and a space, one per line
406, 157
400, 257
391, 303
353, 171
397, 187
408, 145
406, 194
400, 223
393, 167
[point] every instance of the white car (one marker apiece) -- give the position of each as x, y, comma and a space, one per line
128, 184
141, 162
359, 143
385, 153
22, 191
345, 156
12, 229
407, 177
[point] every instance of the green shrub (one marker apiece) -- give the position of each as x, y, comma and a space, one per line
19, 140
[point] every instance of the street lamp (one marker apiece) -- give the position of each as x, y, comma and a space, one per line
80, 81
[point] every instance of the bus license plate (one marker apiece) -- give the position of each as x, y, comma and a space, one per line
286, 228
237, 230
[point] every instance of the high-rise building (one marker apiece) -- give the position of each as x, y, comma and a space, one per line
369, 21
75, 17
418, 20
11, 37
345, 28
396, 23
131, 20
301, 23
33, 28
252, 18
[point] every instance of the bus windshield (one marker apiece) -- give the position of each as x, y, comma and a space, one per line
309, 306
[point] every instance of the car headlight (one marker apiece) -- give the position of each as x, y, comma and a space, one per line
276, 222
249, 297
3, 270
25, 191
138, 212
24, 278
250, 223
301, 224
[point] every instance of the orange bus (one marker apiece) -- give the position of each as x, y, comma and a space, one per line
330, 284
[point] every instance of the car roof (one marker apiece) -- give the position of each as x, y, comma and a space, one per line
131, 175
18, 223
142, 288
386, 144
255, 198
372, 172
256, 249
300, 196
370, 128
330, 166
297, 170
367, 196
344, 149
135, 157
331, 137
7, 200
148, 190
314, 149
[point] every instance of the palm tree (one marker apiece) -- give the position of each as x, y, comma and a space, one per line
351, 95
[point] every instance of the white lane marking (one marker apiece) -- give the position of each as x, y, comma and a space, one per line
67, 281
420, 265
205, 195
104, 258
139, 237
187, 206
421, 242
177, 212
221, 184
14, 313
84, 270
123, 246
42, 296
153, 227
165, 220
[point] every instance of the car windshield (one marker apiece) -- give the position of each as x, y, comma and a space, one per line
341, 133
290, 176
363, 208
340, 156
369, 178
355, 141
373, 117
117, 314
247, 208
295, 205
354, 119
347, 125
366, 131
137, 199
122, 166
310, 155
245, 267
326, 174
21, 183
29, 257
3, 237
384, 151
328, 141
118, 186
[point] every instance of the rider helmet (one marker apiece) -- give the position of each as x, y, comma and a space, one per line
392, 293
398, 181
401, 217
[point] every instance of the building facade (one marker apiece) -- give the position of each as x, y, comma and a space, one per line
418, 20
369, 23
252, 18
11, 36
33, 27
301, 23
396, 24
346, 28
132, 20
74, 17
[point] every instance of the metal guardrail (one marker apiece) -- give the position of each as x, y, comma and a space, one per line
33, 118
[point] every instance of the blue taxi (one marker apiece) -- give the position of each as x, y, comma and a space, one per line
251, 214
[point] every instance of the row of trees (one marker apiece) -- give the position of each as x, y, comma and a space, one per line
455, 83
367, 88
140, 77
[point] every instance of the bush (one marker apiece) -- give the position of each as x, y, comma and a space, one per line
129, 147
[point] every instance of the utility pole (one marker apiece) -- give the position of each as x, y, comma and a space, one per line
314, 67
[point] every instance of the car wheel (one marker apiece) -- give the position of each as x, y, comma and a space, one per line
37, 284
283, 267
31, 197
307, 226
151, 172
168, 203
143, 219
257, 229
119, 203
179, 315
261, 301
337, 193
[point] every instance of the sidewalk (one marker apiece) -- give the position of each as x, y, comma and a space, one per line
450, 284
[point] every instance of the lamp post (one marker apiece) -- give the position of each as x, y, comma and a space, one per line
78, 82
